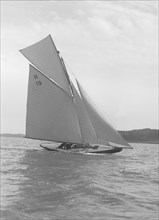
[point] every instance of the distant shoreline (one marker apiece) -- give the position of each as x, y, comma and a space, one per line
147, 135
11, 135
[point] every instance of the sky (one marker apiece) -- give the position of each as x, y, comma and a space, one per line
110, 46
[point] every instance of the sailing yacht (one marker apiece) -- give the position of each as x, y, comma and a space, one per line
60, 110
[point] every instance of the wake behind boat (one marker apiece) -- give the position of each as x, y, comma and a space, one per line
58, 108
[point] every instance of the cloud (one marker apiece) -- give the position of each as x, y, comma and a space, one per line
111, 47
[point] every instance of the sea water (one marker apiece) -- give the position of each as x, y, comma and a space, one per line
41, 185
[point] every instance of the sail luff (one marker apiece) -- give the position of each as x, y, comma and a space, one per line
75, 102
87, 130
65, 71
68, 78
72, 89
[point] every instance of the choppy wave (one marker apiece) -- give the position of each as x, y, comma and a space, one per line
37, 184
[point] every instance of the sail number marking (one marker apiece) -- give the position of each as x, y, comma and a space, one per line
38, 82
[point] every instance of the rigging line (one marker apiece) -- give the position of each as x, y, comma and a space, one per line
67, 76
106, 117
73, 96
82, 136
99, 110
81, 98
71, 70
74, 78
87, 110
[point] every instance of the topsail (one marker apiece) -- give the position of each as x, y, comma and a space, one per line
45, 57
56, 110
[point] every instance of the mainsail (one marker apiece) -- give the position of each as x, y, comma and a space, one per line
51, 114
56, 111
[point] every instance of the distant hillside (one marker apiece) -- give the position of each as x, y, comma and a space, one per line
12, 135
146, 135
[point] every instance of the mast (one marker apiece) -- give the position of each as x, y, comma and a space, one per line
73, 95
67, 76
63, 66
70, 86
87, 130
